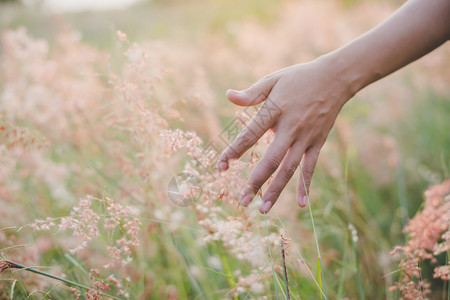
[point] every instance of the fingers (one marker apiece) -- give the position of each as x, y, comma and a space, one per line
263, 121
245, 139
265, 168
307, 168
255, 94
287, 169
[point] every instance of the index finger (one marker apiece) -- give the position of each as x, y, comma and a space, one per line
263, 121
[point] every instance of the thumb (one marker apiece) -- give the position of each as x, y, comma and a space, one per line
255, 94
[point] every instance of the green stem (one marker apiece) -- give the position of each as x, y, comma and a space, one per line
68, 282
270, 254
229, 273
283, 256
321, 278
353, 242
401, 189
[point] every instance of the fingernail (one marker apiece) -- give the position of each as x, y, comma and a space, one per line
245, 200
303, 201
223, 165
267, 206
234, 92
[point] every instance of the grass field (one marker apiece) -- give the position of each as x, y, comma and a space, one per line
101, 112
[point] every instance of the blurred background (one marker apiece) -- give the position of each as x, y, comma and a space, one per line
108, 100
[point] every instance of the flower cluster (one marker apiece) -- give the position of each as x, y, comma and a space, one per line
428, 234
86, 221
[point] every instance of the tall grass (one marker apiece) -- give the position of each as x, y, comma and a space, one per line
90, 139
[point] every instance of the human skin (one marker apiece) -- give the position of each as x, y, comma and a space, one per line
301, 102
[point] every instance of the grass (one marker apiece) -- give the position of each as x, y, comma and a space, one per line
174, 261
353, 234
33, 269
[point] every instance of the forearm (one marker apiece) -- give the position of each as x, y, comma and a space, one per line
417, 28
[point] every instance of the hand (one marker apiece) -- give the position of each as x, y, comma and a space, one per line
301, 105
302, 101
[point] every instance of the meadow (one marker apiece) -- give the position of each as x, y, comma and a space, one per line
111, 124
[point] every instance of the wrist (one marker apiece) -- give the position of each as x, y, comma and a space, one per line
346, 75
347, 71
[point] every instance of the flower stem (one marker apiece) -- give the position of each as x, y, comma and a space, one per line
283, 256
13, 265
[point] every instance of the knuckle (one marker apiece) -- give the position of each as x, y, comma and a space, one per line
272, 163
290, 170
267, 79
308, 175
309, 172
260, 95
252, 92
245, 138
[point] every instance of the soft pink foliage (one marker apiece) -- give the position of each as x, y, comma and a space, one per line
86, 221
113, 124
428, 234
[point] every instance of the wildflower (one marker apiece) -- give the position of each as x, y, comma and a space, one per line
84, 222
425, 231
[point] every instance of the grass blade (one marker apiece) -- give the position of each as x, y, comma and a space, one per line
283, 256
13, 265
353, 234
321, 277
270, 254
319, 272
13, 286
